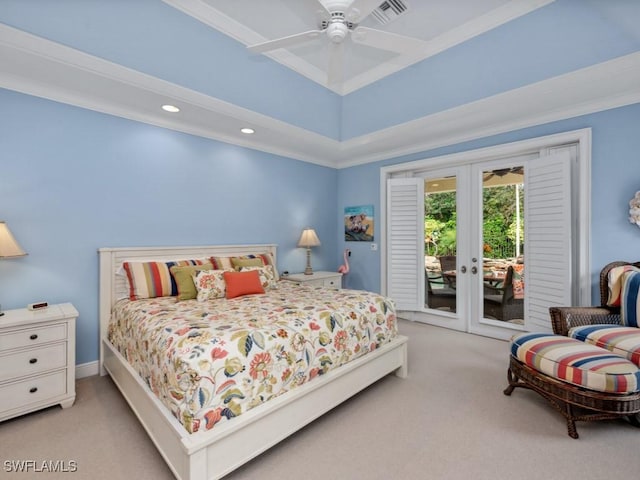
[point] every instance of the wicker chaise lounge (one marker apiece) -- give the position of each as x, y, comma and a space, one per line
600, 378
589, 386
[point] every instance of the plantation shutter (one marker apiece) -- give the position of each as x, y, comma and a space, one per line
547, 236
405, 242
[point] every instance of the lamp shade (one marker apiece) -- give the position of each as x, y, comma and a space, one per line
308, 238
8, 245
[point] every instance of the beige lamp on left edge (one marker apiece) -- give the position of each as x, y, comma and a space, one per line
9, 248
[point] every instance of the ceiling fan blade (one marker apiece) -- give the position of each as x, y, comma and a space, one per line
324, 7
360, 9
284, 42
391, 42
335, 73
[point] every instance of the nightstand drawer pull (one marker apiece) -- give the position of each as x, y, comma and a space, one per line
37, 359
28, 337
33, 389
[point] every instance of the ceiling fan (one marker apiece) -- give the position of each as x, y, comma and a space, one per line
340, 20
501, 172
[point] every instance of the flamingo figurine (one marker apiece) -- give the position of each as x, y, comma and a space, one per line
344, 269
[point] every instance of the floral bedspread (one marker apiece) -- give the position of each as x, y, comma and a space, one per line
209, 362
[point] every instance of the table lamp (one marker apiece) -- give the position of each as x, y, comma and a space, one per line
308, 239
9, 248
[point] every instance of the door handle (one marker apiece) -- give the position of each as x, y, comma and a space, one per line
463, 269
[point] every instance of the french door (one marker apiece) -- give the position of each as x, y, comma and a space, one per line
484, 247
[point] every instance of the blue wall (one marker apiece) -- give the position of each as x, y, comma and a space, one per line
615, 179
73, 180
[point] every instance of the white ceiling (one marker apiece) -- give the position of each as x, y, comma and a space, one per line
441, 24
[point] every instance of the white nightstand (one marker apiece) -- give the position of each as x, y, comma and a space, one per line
318, 279
37, 359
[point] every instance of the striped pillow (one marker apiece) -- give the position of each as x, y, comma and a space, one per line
221, 263
153, 279
615, 278
630, 304
227, 263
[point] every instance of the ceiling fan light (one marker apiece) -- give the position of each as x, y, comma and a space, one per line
337, 32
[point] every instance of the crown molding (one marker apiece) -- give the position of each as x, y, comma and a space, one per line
46, 69
207, 14
607, 85
39, 67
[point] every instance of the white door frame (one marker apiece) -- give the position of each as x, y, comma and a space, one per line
581, 173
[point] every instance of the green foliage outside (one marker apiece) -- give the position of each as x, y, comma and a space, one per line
499, 222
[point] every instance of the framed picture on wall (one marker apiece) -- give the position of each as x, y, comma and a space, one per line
358, 223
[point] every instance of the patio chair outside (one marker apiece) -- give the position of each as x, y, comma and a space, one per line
438, 293
448, 263
501, 303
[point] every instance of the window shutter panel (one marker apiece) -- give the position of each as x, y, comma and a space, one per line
547, 238
405, 242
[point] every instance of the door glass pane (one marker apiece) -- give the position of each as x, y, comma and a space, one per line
440, 224
503, 244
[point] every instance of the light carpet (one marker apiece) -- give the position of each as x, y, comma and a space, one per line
448, 420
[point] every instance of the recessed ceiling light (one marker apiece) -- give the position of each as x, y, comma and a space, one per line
247, 130
170, 108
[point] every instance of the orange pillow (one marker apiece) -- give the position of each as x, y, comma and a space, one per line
243, 283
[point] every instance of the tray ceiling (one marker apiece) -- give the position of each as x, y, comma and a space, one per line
441, 24
39, 66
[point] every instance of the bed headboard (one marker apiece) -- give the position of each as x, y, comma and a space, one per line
113, 285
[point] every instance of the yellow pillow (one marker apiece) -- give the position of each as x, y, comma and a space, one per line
239, 262
184, 280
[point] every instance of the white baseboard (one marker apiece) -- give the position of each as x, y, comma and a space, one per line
87, 369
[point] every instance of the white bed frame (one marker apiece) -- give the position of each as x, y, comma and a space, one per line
212, 454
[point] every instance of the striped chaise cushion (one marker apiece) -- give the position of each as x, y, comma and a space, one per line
624, 341
576, 362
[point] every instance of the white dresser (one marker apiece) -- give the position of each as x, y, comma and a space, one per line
318, 279
37, 359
